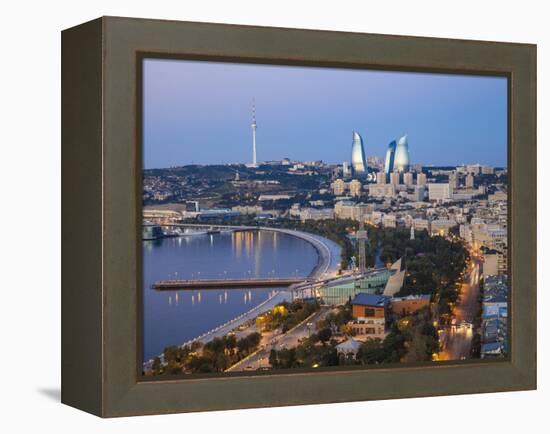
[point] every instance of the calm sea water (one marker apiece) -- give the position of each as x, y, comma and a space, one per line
174, 317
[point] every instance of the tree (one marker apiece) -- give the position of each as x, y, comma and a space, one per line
273, 361
371, 352
157, 366
476, 346
231, 342
324, 335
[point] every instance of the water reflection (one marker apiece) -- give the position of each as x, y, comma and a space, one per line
171, 318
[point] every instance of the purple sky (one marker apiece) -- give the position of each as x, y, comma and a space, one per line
200, 112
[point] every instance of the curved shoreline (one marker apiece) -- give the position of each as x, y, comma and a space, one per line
324, 265
321, 244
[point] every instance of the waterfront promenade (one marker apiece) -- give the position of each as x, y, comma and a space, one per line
226, 283
326, 268
229, 326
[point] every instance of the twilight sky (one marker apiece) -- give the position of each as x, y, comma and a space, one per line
200, 112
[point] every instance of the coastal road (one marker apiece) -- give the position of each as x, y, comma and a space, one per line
279, 341
458, 340
223, 330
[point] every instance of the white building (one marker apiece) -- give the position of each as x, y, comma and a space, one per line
418, 194
350, 210
453, 180
469, 181
338, 187
474, 169
439, 192
355, 188
421, 179
441, 226
382, 190
316, 214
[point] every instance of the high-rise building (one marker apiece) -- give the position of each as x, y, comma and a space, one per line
382, 190
470, 181
374, 162
358, 160
338, 187
439, 192
394, 178
488, 170
346, 171
408, 178
421, 179
401, 161
381, 178
418, 195
453, 180
474, 168
355, 187
390, 157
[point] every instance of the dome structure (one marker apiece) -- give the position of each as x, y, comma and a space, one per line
358, 160
401, 161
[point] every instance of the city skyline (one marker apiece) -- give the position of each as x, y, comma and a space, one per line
306, 113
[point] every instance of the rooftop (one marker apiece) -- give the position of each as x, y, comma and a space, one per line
364, 299
351, 345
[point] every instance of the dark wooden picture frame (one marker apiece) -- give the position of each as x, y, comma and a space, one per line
101, 191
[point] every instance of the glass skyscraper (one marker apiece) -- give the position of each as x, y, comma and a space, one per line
397, 156
358, 160
401, 161
390, 157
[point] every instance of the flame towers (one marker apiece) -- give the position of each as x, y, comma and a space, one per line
397, 156
401, 162
358, 160
390, 157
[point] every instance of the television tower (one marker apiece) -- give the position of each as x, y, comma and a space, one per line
361, 238
254, 126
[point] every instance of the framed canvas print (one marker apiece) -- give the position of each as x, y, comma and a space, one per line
261, 217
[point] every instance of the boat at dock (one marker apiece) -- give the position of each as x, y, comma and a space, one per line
192, 233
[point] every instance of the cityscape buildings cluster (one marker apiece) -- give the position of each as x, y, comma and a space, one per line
466, 203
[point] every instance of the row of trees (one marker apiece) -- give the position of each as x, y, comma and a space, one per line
311, 352
215, 356
287, 315
336, 320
